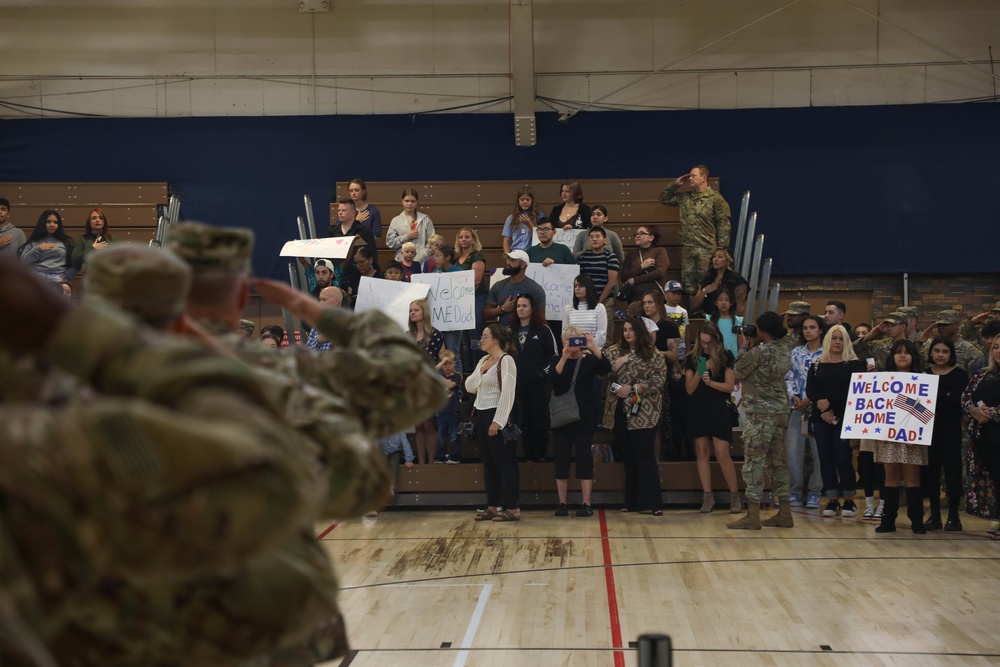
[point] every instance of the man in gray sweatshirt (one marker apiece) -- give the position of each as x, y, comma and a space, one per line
11, 238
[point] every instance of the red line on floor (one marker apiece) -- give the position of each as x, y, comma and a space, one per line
609, 578
327, 531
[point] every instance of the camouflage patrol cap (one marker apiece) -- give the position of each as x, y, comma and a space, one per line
909, 311
149, 283
895, 317
248, 326
949, 317
996, 307
208, 248
798, 308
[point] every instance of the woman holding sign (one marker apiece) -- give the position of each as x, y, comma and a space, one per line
410, 225
981, 401
902, 458
828, 383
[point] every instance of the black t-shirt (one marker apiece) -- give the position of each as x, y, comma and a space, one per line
667, 330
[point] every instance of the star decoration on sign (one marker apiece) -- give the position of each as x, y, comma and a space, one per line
913, 377
847, 428
859, 376
864, 431
878, 430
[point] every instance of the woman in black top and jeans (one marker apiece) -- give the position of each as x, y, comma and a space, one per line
827, 387
576, 438
535, 348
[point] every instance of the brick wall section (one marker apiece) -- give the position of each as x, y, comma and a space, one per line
967, 293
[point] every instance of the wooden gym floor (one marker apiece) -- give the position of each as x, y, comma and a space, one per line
428, 588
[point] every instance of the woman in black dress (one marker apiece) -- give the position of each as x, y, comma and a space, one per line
710, 380
946, 443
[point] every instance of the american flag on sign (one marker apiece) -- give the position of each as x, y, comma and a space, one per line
914, 407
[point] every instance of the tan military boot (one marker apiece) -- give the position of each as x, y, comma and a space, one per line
783, 519
751, 521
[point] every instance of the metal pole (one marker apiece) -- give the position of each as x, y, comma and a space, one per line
309, 217
654, 650
173, 209
741, 232
765, 281
302, 228
758, 249
293, 278
161, 232
906, 289
748, 242
772, 302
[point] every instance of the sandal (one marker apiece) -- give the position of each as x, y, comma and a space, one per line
657, 512
487, 515
507, 515
625, 510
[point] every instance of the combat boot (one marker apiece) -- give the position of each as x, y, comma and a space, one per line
752, 520
783, 519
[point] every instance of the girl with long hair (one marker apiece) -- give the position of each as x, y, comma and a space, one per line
469, 257
902, 459
709, 380
721, 274
49, 249
431, 340
725, 318
521, 222
410, 225
536, 345
632, 409
586, 311
945, 451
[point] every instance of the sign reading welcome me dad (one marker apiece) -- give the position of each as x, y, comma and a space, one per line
891, 406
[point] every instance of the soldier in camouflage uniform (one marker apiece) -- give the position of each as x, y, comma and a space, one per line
285, 600
179, 464
910, 312
891, 328
761, 370
704, 224
948, 324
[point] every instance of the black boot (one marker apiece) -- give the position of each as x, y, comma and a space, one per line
915, 509
934, 519
954, 522
891, 497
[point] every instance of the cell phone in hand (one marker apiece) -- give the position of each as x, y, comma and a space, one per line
577, 341
702, 366
615, 386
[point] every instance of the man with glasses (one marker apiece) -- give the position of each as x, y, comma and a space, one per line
548, 251
704, 223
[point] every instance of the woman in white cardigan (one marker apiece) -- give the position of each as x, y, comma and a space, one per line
410, 225
493, 382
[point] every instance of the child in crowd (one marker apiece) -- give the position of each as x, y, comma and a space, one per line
677, 313
397, 450
449, 450
444, 260
409, 267
433, 243
393, 271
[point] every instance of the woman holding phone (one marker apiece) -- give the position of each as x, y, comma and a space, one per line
709, 380
410, 225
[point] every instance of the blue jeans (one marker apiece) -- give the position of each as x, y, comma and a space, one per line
795, 457
835, 461
448, 435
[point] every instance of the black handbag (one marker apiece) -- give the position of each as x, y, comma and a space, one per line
734, 414
510, 432
563, 409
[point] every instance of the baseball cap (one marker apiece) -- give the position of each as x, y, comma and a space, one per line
798, 308
673, 286
518, 254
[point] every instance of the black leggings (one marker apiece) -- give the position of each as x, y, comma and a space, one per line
533, 418
574, 440
944, 453
499, 466
872, 474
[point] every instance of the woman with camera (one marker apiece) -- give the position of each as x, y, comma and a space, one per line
710, 380
645, 266
577, 368
494, 382
632, 409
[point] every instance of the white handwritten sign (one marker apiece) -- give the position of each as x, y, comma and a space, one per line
892, 406
337, 248
565, 236
557, 283
391, 297
452, 297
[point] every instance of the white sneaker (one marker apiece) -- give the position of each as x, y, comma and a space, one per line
869, 508
994, 528
879, 509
